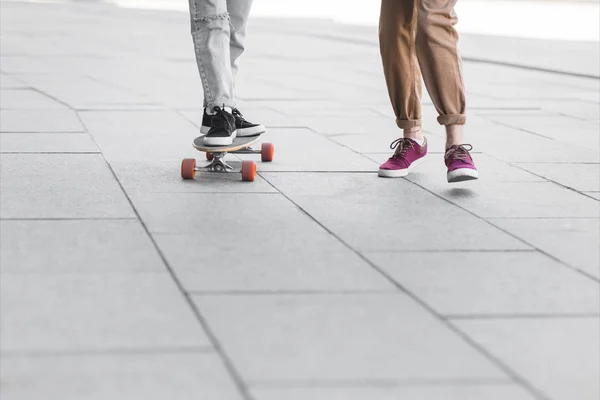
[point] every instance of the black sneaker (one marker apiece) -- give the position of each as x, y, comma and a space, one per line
246, 128
222, 129
206, 122
243, 127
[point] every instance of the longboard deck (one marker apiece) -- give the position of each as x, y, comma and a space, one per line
238, 144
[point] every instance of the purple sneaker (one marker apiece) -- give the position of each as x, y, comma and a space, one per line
408, 155
460, 164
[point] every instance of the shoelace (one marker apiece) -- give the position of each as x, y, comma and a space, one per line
402, 145
459, 152
237, 113
219, 120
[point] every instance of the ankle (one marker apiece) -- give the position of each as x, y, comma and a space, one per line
414, 133
454, 135
450, 143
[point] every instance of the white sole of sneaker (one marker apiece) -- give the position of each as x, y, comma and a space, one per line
219, 141
399, 173
255, 130
462, 174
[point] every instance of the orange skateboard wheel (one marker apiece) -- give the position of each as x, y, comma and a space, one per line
188, 168
267, 152
248, 171
209, 156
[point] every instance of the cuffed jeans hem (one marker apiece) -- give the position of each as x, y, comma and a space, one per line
408, 123
452, 119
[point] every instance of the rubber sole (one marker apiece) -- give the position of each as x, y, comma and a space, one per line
253, 131
462, 175
399, 173
219, 140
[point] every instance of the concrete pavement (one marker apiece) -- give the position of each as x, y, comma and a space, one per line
319, 280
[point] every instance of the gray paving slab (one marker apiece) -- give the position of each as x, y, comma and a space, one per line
581, 177
270, 118
329, 125
514, 199
379, 142
39, 121
229, 212
500, 142
305, 150
492, 283
595, 195
164, 176
68, 66
8, 82
47, 143
28, 99
323, 107
351, 338
16, 64
563, 129
117, 376
560, 358
340, 184
537, 112
536, 89
574, 108
141, 135
60, 186
573, 241
300, 257
480, 101
437, 392
82, 91
76, 246
76, 312
377, 216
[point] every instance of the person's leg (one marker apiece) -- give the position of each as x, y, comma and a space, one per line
440, 62
437, 52
397, 28
210, 26
239, 10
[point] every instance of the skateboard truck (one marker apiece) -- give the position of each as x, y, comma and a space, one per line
216, 162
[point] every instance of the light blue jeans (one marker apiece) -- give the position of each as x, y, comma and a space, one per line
218, 32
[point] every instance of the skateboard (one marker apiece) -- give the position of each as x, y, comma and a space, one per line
215, 154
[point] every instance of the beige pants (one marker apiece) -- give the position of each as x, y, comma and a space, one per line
418, 37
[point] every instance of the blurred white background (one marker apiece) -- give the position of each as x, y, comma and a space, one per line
565, 20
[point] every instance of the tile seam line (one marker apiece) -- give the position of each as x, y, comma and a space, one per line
493, 360
44, 132
50, 152
489, 222
232, 371
486, 317
284, 292
572, 189
107, 352
375, 383
68, 219
505, 125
